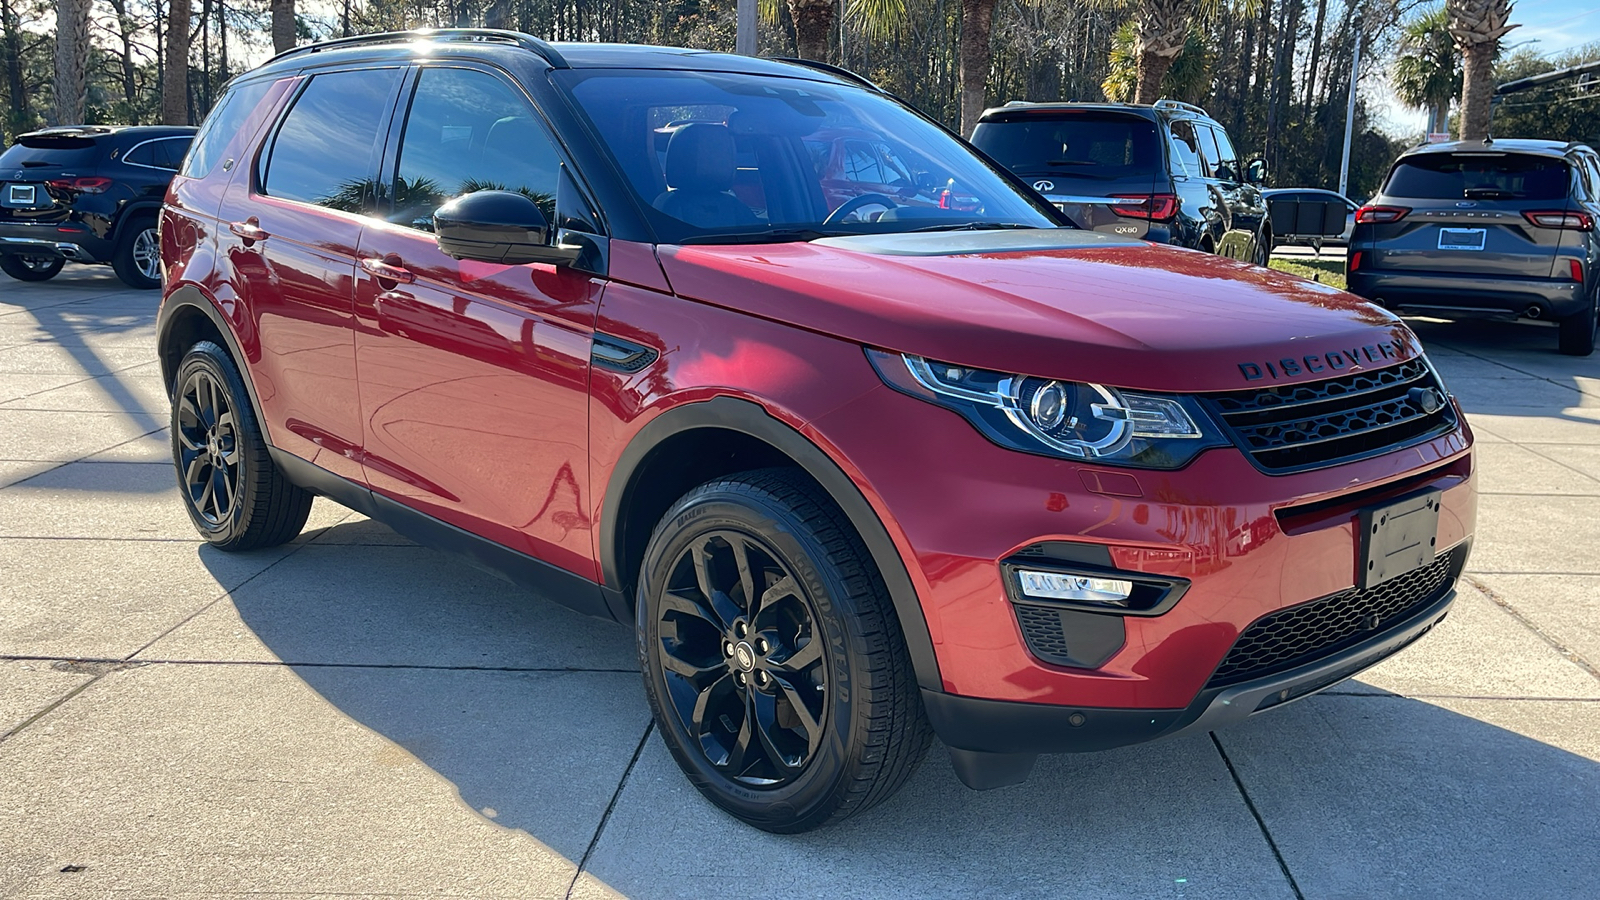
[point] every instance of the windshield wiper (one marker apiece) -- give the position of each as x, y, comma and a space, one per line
1070, 162
783, 236
971, 226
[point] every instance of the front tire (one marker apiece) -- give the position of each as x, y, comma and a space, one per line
772, 658
31, 268
1578, 330
235, 496
137, 259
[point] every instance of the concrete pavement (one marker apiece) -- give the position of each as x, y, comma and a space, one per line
354, 715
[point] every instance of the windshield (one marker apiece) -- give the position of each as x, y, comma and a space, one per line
1072, 145
716, 156
1482, 176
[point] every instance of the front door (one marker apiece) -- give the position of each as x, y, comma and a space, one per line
474, 376
293, 247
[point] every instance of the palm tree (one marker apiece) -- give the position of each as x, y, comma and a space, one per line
813, 22
283, 27
977, 30
72, 60
1162, 29
1477, 26
1427, 74
1186, 79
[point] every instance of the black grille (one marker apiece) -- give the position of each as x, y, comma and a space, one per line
1287, 428
1308, 632
1041, 628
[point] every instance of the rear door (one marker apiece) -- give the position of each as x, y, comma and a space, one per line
292, 244
1469, 213
1090, 163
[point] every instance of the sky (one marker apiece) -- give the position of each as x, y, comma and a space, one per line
1548, 26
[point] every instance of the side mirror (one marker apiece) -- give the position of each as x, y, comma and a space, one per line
1256, 173
498, 227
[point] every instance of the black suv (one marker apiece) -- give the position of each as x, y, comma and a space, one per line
1500, 228
1165, 173
87, 193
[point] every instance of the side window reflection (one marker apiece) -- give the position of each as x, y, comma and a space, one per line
469, 131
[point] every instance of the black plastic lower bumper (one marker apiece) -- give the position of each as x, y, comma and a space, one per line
1469, 294
993, 742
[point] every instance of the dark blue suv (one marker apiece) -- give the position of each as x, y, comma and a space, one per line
90, 194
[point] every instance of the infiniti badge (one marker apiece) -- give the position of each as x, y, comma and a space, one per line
1044, 186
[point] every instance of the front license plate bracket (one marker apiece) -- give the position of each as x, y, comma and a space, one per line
1398, 537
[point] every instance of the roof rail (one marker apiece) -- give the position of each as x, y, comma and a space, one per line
1179, 104
838, 71
468, 35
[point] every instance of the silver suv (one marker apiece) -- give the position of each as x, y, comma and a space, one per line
1499, 228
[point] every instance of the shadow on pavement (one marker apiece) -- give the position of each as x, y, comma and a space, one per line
533, 713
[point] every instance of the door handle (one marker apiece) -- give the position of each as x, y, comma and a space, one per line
388, 269
249, 230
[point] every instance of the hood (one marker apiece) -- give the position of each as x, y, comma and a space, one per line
1067, 304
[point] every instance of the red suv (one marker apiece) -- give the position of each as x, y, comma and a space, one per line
858, 471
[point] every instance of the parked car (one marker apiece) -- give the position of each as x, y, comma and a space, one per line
855, 476
1304, 195
1166, 173
1501, 228
88, 194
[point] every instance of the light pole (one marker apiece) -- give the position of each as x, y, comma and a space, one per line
1350, 114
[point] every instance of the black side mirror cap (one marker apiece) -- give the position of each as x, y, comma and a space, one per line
1256, 172
498, 227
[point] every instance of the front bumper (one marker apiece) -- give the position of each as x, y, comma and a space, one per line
1468, 294
997, 726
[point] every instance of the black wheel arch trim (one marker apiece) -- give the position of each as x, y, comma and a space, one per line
133, 211
752, 419
186, 297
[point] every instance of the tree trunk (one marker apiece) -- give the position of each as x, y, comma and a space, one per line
126, 28
175, 86
1477, 87
1316, 53
977, 27
16, 87
1439, 118
813, 22
1152, 68
72, 60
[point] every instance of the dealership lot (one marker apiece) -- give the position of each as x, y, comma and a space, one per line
351, 714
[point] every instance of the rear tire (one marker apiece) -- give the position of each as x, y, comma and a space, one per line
1578, 330
772, 658
137, 260
31, 268
235, 496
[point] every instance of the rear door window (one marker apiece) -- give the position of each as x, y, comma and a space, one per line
323, 151
1479, 176
1186, 150
1089, 145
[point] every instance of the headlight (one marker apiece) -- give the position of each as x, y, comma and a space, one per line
1089, 422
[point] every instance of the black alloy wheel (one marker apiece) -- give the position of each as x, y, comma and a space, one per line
771, 654
742, 658
29, 267
206, 432
235, 496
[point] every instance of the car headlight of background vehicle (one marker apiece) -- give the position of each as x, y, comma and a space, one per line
1066, 419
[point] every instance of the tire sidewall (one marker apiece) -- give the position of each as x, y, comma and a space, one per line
19, 270
126, 267
210, 358
793, 806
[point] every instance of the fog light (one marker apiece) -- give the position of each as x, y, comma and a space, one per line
1057, 586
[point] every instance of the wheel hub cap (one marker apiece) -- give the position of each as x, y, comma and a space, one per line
744, 656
